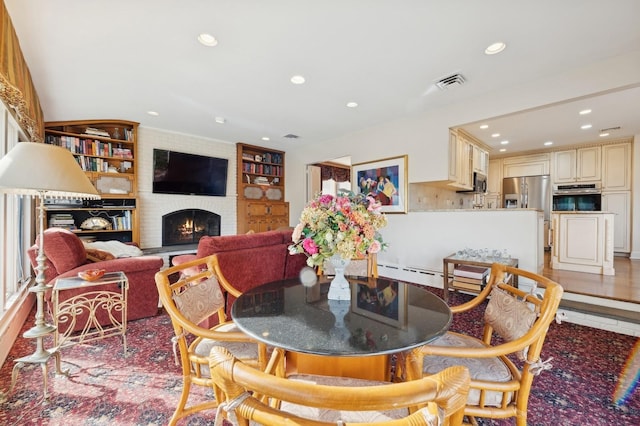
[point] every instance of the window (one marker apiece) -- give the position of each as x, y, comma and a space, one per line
16, 232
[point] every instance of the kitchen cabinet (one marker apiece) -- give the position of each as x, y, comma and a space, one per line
616, 167
460, 158
583, 242
577, 165
525, 165
619, 203
494, 177
480, 160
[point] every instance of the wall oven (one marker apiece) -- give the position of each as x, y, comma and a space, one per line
577, 197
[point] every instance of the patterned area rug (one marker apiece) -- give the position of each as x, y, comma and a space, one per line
105, 388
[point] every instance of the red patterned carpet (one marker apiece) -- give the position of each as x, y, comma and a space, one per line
104, 388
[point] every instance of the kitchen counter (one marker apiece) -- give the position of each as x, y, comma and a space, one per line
583, 242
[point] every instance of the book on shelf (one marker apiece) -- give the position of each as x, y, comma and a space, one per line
466, 286
476, 281
471, 271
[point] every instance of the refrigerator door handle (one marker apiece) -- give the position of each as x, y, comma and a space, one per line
525, 195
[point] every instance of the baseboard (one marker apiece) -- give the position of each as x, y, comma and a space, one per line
12, 322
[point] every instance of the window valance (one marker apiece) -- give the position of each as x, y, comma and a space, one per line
339, 174
16, 87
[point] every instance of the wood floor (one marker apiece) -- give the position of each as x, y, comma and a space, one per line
624, 286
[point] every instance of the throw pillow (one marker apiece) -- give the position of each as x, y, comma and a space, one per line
201, 300
510, 318
95, 255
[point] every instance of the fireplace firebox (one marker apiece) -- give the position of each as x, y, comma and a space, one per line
188, 226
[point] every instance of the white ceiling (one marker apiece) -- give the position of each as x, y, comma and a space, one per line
120, 59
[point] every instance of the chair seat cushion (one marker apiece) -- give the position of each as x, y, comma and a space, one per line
335, 415
491, 369
245, 351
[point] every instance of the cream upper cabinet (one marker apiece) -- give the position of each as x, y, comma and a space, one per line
460, 158
577, 165
480, 160
526, 165
494, 178
616, 167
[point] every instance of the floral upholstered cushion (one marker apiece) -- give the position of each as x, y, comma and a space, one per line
96, 255
200, 301
491, 369
510, 318
241, 350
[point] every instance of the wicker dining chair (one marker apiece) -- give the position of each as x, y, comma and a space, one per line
189, 299
504, 362
261, 398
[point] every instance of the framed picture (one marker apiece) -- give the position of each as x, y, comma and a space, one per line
385, 180
382, 300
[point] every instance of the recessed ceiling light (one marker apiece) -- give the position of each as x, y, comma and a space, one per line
155, 114
585, 112
604, 134
495, 135
265, 138
484, 126
586, 126
352, 104
547, 143
495, 48
503, 149
297, 79
504, 142
220, 120
207, 40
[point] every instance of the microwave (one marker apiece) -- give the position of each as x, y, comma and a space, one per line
479, 184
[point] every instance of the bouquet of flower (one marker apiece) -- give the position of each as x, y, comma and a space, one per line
346, 225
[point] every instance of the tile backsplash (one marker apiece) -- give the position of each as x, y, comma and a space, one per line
426, 196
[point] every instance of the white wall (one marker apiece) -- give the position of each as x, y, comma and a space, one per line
152, 206
635, 196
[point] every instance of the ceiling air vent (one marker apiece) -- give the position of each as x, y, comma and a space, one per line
452, 80
608, 129
291, 136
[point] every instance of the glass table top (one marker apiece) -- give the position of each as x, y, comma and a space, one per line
384, 316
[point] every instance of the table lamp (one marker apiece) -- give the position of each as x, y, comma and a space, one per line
41, 170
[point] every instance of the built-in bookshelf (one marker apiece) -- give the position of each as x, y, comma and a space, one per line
261, 205
106, 151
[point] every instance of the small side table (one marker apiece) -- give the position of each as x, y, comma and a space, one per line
456, 259
85, 308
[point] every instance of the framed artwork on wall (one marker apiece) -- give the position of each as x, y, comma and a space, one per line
385, 180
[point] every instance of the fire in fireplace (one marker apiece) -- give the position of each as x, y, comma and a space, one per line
188, 226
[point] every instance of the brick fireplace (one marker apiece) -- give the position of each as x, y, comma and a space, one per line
187, 226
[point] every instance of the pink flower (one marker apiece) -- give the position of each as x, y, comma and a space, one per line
310, 246
374, 206
375, 246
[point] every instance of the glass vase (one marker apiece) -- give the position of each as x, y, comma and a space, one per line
339, 288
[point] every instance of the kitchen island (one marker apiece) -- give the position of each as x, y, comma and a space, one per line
582, 242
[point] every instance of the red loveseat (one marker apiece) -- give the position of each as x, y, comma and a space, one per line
66, 256
250, 260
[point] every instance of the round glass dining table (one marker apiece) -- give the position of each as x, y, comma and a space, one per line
383, 317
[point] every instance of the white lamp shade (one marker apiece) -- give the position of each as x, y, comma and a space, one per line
41, 169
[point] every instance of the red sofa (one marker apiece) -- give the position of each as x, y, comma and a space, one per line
66, 256
250, 260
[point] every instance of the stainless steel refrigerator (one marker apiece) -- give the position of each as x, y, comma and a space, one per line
529, 192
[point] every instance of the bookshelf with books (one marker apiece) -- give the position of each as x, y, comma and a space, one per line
260, 181
106, 151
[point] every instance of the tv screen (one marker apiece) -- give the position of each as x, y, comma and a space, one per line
191, 174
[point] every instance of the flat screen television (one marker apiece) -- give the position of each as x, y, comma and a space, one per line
189, 174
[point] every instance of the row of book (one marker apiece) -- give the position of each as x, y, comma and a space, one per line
89, 146
94, 164
62, 220
122, 223
267, 157
263, 169
472, 277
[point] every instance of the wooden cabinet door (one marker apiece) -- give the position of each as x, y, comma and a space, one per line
616, 167
564, 166
494, 178
619, 203
588, 164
